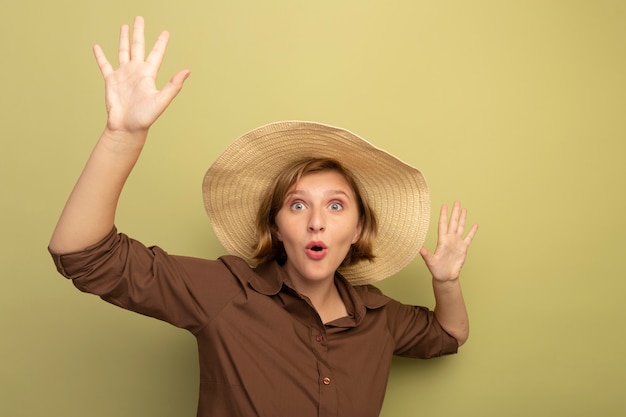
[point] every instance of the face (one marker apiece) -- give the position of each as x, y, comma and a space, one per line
317, 223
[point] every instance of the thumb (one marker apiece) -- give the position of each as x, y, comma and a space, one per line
173, 87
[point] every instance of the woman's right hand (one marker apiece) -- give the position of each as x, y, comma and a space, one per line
133, 102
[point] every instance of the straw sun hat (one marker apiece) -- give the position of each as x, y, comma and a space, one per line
237, 181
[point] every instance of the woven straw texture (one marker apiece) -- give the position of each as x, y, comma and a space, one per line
236, 182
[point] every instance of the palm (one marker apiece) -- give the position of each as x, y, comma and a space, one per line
446, 262
132, 100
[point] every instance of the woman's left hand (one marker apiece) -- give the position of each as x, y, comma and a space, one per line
446, 262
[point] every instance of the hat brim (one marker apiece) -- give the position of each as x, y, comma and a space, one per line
240, 177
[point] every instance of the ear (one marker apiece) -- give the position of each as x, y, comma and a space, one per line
276, 234
357, 233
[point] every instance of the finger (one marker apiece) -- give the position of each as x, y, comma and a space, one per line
158, 50
454, 217
123, 54
173, 87
461, 223
138, 46
102, 61
443, 220
425, 253
471, 234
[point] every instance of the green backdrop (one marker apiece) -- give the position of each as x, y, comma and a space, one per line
517, 108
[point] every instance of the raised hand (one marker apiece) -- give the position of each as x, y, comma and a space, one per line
133, 101
133, 104
446, 262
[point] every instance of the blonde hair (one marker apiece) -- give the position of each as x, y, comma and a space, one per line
269, 248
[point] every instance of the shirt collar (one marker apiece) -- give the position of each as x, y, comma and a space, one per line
269, 279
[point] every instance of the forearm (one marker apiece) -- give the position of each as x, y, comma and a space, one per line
89, 213
450, 309
133, 104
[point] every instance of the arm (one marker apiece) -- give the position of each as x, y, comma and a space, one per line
133, 104
445, 266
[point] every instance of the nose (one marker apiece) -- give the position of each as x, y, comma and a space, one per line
316, 221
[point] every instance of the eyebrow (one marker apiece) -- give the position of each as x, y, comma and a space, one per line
329, 192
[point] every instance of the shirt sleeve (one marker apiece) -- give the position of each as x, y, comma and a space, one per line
417, 332
186, 292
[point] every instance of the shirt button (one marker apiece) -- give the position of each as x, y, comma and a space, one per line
319, 338
326, 381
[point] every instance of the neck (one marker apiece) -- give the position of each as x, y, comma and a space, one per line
324, 296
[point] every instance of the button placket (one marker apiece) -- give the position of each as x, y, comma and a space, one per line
319, 338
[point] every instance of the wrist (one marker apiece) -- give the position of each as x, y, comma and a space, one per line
446, 285
122, 141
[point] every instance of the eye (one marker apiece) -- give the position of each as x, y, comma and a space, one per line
298, 205
336, 206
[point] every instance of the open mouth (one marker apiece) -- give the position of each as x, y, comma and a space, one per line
316, 250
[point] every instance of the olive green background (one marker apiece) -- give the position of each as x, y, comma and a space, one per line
516, 108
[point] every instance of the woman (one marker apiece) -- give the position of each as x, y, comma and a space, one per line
302, 331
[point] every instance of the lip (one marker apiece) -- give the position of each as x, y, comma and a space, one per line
316, 250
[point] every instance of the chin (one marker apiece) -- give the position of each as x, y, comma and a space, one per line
315, 273
318, 275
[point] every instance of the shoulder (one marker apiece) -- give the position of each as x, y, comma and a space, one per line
237, 266
371, 296
225, 267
